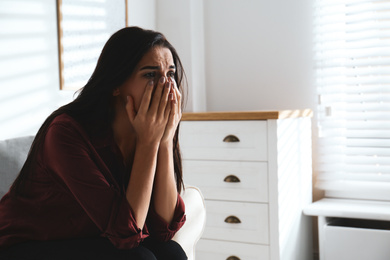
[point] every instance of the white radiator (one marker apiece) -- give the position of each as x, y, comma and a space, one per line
355, 239
352, 229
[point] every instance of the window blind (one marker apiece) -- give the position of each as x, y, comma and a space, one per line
352, 59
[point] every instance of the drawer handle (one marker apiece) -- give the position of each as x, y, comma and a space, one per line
233, 258
231, 178
232, 220
231, 139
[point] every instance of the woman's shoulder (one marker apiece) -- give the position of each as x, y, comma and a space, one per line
67, 127
65, 123
63, 119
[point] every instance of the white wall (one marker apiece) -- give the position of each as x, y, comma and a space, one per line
258, 54
142, 13
246, 55
29, 67
182, 23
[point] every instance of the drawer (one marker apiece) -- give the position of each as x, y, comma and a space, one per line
353, 242
253, 218
220, 250
233, 181
204, 140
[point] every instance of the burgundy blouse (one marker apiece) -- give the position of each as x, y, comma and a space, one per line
78, 191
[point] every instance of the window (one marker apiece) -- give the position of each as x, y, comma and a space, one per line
84, 27
352, 57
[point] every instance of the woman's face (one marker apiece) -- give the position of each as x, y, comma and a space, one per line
157, 63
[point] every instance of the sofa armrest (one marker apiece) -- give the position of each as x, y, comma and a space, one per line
192, 230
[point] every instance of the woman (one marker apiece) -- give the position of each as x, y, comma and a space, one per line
103, 176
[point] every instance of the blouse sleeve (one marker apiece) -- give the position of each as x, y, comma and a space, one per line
74, 162
159, 228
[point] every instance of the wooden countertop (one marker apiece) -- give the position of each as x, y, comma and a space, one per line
247, 115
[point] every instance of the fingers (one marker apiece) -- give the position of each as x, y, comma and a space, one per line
176, 97
164, 104
155, 99
173, 99
178, 94
175, 104
146, 98
158, 99
130, 108
165, 107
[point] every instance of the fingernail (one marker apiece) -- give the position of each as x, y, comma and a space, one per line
151, 83
162, 79
168, 85
127, 98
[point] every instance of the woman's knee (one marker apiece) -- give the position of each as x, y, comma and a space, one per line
176, 252
141, 253
166, 250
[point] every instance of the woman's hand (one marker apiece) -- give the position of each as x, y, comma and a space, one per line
164, 189
151, 120
175, 113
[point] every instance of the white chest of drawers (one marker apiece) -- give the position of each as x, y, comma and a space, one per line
254, 170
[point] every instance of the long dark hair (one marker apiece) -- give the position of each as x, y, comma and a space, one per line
93, 107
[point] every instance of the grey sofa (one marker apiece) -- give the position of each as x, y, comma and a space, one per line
13, 153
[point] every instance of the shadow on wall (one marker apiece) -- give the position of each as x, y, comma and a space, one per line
28, 65
29, 56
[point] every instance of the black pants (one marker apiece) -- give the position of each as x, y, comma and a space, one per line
94, 249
